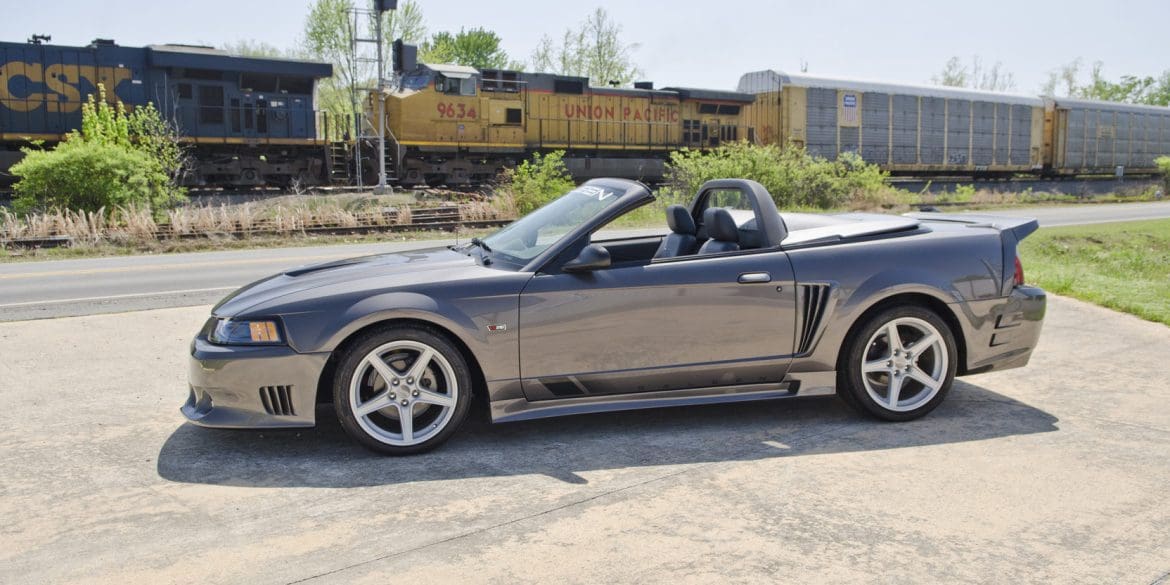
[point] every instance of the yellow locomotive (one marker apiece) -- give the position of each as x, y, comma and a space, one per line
455, 125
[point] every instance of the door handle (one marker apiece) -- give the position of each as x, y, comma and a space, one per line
754, 277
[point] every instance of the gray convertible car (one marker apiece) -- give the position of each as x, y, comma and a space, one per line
548, 317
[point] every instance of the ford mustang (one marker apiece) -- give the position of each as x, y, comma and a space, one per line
551, 316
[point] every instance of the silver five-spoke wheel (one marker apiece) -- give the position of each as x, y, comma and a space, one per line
402, 391
899, 364
906, 364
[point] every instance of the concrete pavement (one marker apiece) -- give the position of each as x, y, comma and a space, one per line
1053, 473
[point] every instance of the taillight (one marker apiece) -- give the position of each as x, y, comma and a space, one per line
1019, 278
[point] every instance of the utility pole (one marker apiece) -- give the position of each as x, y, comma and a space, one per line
381, 102
381, 7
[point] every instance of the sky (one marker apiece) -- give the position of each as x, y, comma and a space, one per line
693, 43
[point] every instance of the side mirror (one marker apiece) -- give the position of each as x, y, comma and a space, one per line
593, 257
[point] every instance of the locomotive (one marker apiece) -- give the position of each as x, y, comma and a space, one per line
456, 125
247, 121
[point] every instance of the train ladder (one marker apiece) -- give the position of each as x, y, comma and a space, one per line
339, 162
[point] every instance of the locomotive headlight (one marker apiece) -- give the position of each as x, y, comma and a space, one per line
247, 332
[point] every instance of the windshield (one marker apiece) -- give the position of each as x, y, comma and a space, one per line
416, 81
534, 233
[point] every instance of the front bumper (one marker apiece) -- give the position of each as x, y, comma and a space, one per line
242, 387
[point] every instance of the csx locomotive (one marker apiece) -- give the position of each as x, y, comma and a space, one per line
247, 121
254, 121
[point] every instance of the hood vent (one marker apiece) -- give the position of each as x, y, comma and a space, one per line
326, 266
812, 301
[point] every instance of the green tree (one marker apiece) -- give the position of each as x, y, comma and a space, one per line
1066, 81
975, 75
1062, 80
116, 159
253, 48
478, 47
595, 49
328, 36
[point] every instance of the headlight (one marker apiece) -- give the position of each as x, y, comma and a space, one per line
256, 332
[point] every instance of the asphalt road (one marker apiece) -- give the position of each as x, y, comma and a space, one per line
33, 290
1055, 473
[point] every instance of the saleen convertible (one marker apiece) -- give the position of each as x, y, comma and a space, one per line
547, 317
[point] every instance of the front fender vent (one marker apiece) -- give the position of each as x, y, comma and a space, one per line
813, 310
277, 400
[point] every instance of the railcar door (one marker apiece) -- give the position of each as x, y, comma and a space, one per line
711, 129
248, 115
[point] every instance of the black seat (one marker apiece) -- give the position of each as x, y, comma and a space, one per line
681, 240
722, 230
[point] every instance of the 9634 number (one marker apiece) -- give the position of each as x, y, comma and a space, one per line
456, 111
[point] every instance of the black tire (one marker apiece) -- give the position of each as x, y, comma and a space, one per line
851, 381
354, 356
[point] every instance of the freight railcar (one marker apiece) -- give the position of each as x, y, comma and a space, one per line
904, 129
458, 125
248, 121
1092, 137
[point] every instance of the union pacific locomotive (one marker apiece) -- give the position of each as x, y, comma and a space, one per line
248, 121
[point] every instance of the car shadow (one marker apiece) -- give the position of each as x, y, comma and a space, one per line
564, 447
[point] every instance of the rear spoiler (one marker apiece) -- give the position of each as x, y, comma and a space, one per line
1011, 231
1020, 227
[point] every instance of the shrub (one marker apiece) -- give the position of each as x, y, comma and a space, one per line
117, 159
88, 176
538, 181
1163, 163
793, 177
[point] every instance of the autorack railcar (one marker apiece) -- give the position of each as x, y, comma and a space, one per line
903, 128
249, 121
1093, 137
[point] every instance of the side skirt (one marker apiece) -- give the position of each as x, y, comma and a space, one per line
520, 409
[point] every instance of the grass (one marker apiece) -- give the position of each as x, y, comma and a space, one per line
1122, 266
228, 243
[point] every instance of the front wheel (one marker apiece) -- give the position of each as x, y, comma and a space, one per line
401, 391
900, 364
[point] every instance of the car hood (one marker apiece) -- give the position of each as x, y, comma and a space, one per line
379, 272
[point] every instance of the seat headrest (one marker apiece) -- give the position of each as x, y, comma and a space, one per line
680, 221
720, 225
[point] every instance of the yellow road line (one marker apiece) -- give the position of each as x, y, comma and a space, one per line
157, 267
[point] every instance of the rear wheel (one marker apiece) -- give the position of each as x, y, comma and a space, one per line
900, 364
402, 390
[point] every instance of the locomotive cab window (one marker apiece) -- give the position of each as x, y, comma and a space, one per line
417, 81
258, 82
296, 85
455, 86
